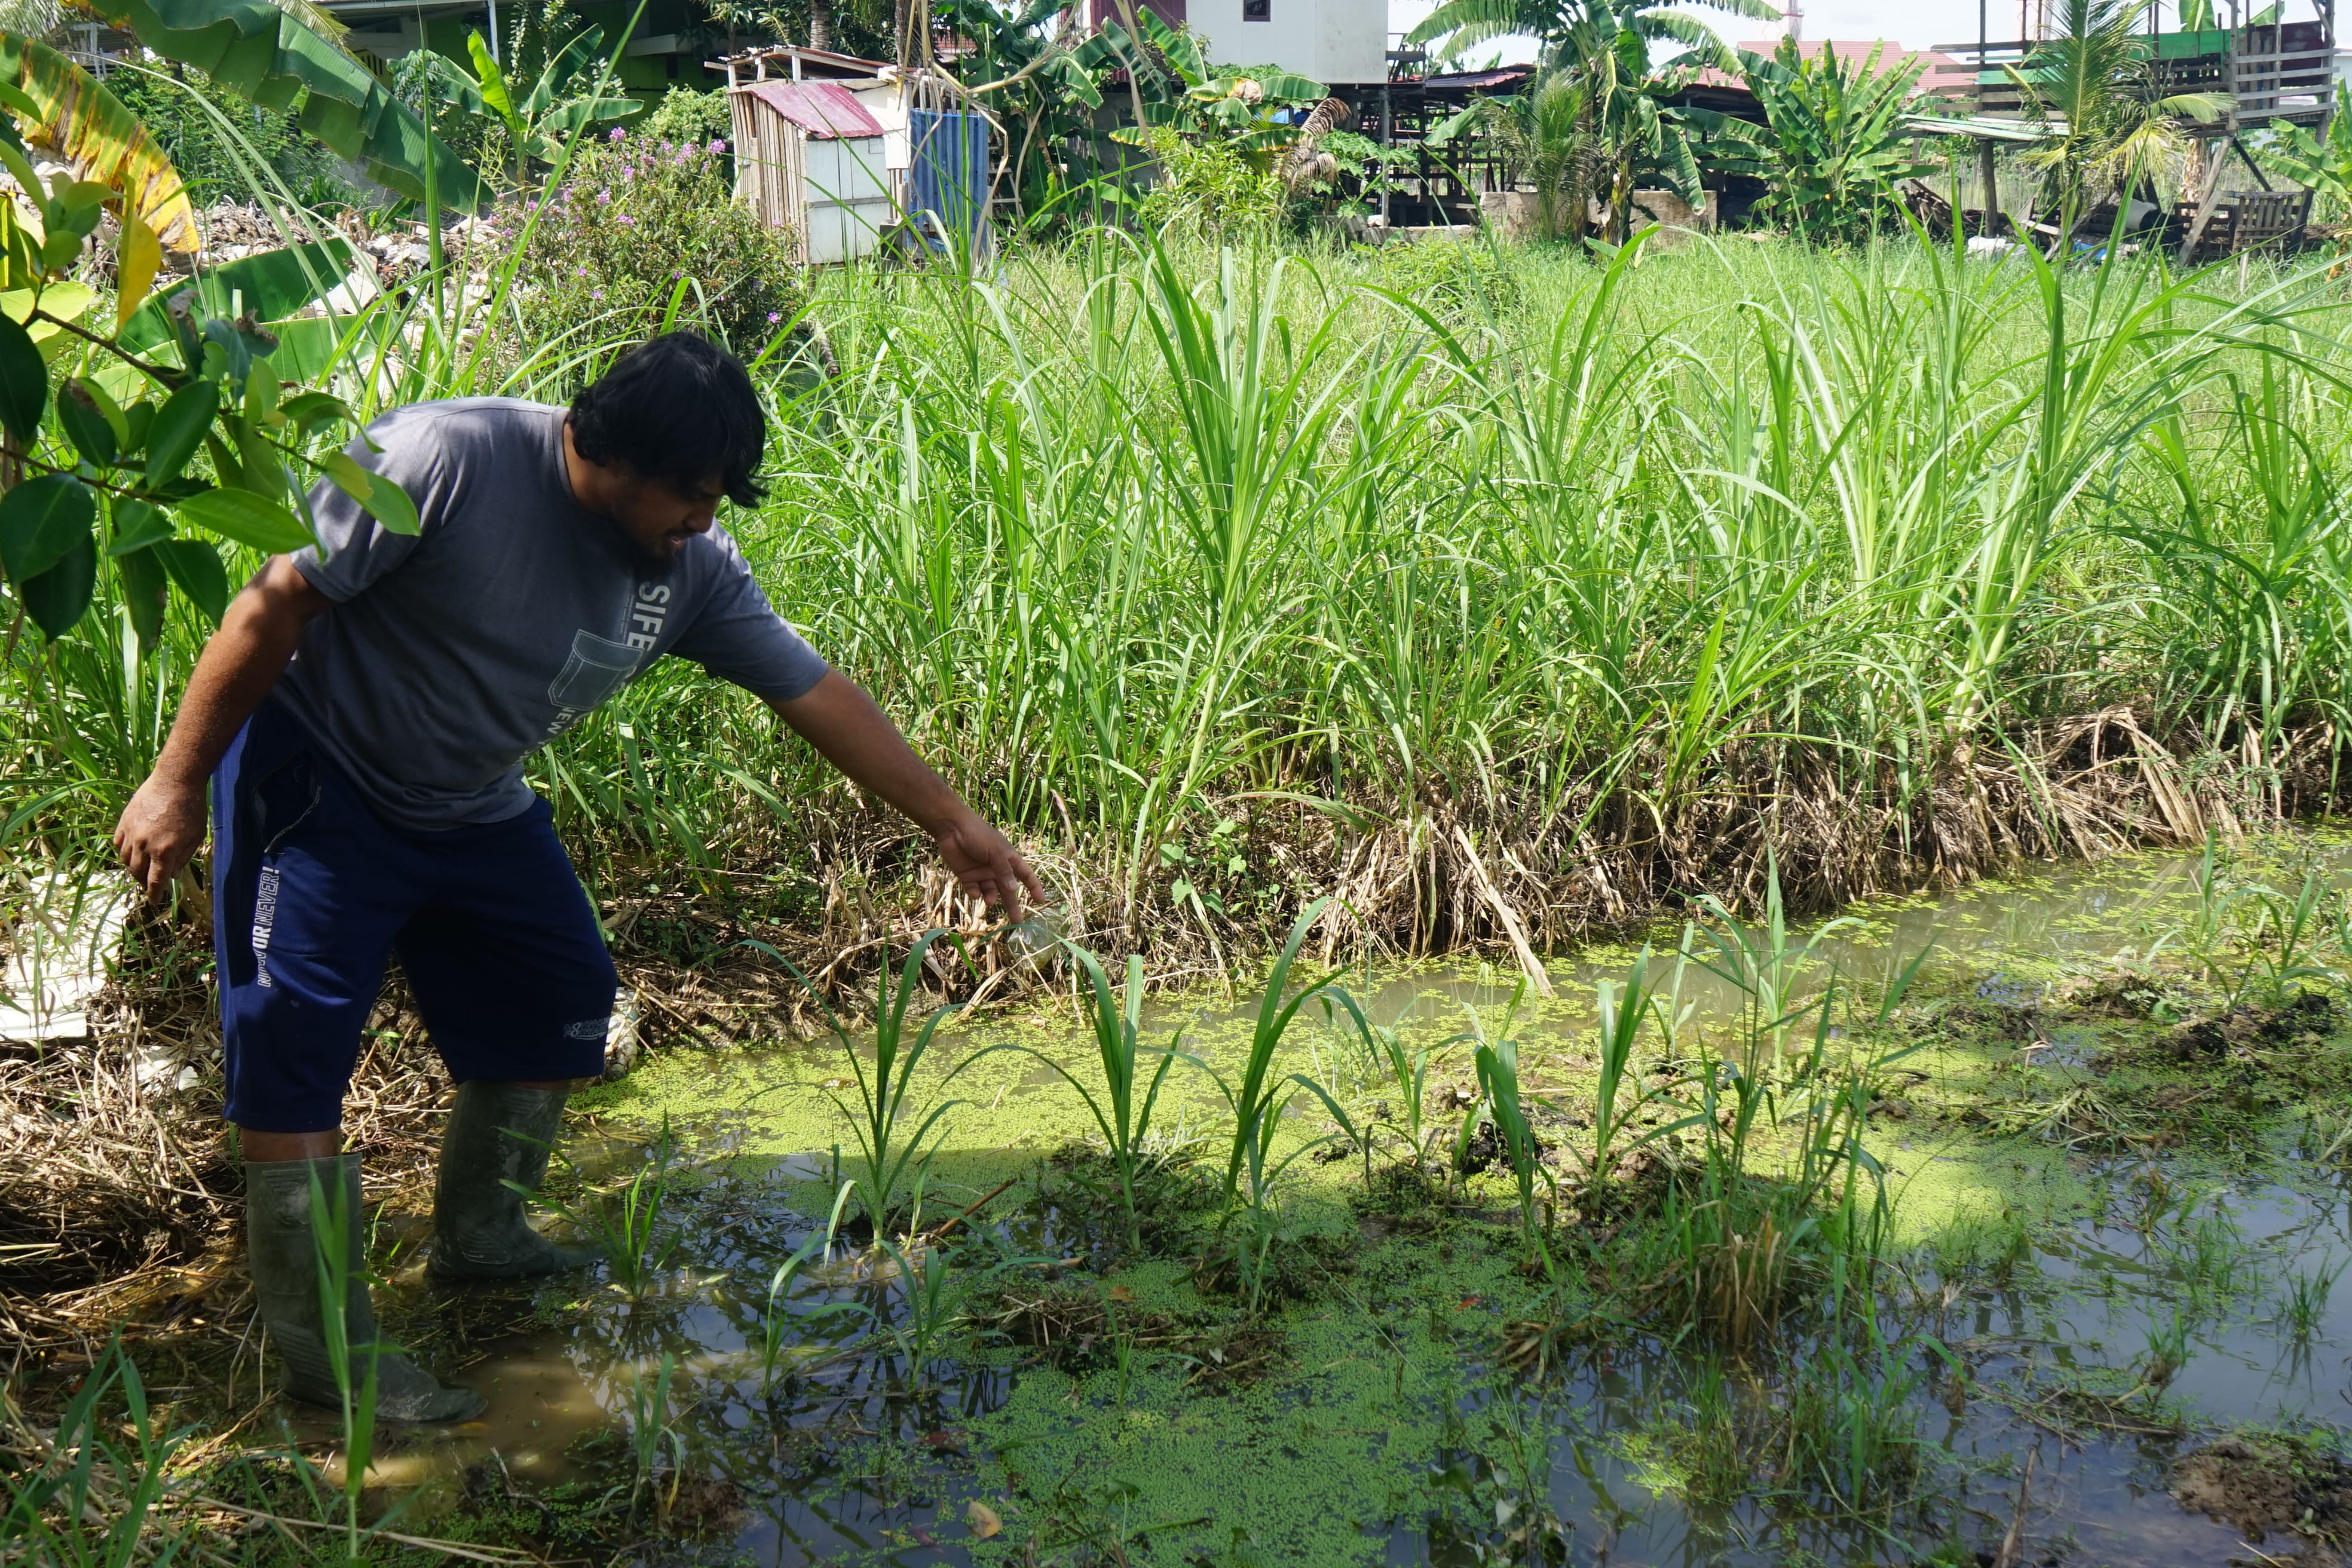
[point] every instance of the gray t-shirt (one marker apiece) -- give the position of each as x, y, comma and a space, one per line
451, 654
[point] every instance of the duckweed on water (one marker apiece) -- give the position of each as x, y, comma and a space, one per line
2002, 1240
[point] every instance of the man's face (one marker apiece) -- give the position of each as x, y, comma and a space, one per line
658, 516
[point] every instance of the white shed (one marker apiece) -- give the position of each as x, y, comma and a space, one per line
811, 157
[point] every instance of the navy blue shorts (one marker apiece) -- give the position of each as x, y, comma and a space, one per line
311, 892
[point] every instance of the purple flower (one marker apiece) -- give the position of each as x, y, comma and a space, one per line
597, 295
604, 198
716, 147
531, 206
773, 317
618, 133
628, 222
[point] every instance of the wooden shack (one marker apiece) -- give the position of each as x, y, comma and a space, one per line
855, 156
810, 157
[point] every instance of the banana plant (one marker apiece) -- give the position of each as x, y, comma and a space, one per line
99, 427
539, 120
93, 134
1237, 108
1835, 146
276, 53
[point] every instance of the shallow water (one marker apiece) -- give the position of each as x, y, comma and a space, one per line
2107, 1256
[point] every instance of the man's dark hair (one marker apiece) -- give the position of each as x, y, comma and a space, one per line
675, 407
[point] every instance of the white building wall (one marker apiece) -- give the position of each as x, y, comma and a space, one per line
1329, 40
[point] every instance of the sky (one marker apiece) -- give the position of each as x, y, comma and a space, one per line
1915, 24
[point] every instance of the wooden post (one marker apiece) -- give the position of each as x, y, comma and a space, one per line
1987, 173
1388, 152
2205, 203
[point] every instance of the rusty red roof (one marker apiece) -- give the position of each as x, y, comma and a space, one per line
826, 111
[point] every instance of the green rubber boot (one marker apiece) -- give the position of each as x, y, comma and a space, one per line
285, 1262
498, 1134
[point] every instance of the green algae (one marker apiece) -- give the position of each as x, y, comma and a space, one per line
1374, 1416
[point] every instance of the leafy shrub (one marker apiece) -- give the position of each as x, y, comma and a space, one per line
1448, 276
687, 115
638, 216
1346, 180
690, 119
1208, 187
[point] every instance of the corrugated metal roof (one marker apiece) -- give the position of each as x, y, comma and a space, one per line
826, 111
1984, 127
1461, 80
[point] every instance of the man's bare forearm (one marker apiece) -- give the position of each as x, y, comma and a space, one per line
850, 731
163, 824
853, 733
239, 666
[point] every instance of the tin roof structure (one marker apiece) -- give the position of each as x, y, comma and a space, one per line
825, 110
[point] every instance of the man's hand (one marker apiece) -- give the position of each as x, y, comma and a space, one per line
988, 866
160, 831
840, 720
163, 825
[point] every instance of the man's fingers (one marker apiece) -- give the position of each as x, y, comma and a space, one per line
1029, 878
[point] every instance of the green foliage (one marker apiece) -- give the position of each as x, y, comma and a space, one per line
279, 60
1833, 148
1462, 24
1122, 1117
570, 94
2326, 166
1597, 126
92, 1495
643, 226
1232, 108
1209, 188
111, 427
894, 1130
2111, 127
687, 117
186, 111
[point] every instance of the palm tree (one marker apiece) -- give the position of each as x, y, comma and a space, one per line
1543, 138
2110, 125
1598, 121
1558, 24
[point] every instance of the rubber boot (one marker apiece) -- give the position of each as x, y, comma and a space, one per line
285, 1263
498, 1134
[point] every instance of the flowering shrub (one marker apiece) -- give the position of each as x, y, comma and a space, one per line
638, 214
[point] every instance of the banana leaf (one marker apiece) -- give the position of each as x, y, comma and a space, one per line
89, 130
271, 57
269, 286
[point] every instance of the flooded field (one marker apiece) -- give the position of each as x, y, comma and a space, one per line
1995, 1266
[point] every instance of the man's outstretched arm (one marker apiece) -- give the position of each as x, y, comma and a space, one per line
163, 825
844, 724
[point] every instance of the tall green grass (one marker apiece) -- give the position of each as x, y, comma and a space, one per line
1235, 579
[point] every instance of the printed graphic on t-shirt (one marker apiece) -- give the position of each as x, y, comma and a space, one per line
599, 667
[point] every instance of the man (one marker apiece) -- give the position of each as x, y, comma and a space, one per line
362, 713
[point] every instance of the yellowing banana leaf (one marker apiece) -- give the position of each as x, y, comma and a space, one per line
270, 55
87, 129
